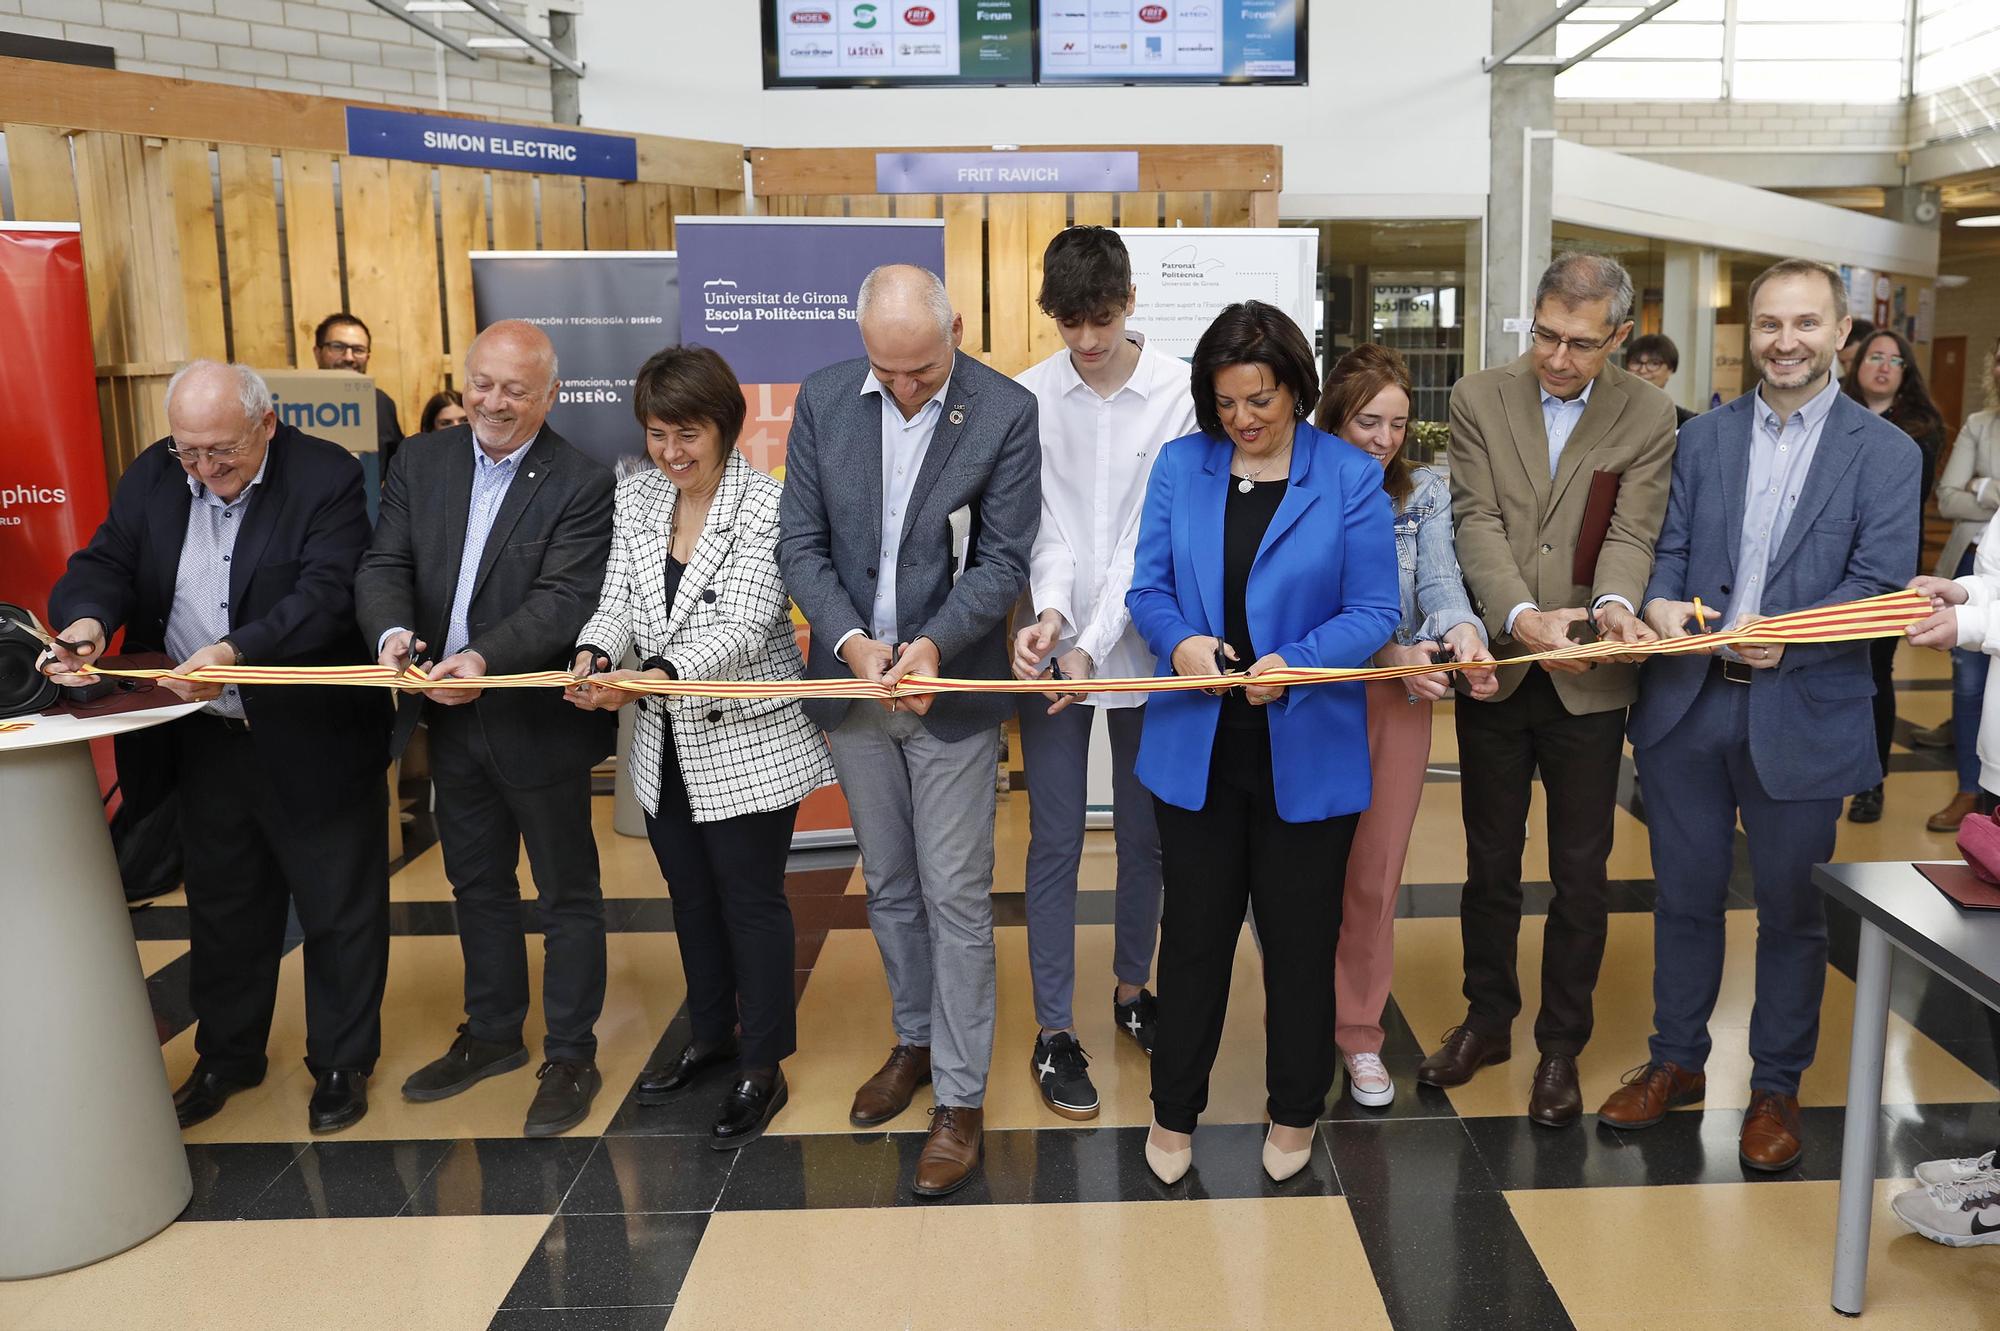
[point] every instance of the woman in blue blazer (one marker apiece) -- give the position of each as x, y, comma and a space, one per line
1264, 543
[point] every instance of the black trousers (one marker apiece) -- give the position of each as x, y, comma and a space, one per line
731, 918
1501, 745
248, 856
1237, 849
482, 824
1882, 659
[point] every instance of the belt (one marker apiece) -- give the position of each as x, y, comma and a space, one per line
1736, 672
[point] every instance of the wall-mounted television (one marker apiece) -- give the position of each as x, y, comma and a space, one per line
971, 43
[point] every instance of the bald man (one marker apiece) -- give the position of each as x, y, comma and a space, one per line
234, 541
487, 561
912, 495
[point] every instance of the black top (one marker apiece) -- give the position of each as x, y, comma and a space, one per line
674, 571
1245, 517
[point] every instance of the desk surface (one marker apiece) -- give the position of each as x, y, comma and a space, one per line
43, 731
1963, 945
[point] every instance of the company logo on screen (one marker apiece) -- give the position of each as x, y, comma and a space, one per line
810, 18
1153, 14
864, 16
920, 49
995, 16
866, 50
810, 51
1197, 13
918, 16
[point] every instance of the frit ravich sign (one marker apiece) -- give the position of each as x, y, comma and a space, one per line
455, 142
1006, 173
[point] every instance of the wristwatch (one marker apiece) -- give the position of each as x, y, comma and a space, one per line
234, 650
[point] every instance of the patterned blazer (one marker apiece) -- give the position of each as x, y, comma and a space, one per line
730, 620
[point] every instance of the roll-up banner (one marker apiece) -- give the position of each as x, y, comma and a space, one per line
606, 311
776, 296
53, 492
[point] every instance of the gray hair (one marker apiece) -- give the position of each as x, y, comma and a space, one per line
1578, 279
929, 287
251, 390
519, 328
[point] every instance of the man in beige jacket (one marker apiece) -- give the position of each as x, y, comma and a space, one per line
1559, 449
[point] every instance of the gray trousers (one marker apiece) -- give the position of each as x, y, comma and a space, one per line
1056, 752
923, 813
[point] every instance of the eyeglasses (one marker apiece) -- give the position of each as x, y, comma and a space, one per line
1893, 362
196, 456
1582, 346
1642, 366
344, 348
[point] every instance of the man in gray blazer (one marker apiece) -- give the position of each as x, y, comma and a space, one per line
1790, 497
487, 560
912, 495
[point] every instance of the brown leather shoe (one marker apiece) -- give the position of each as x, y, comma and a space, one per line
1773, 1135
1556, 1102
1951, 815
888, 1092
952, 1151
1650, 1090
1462, 1052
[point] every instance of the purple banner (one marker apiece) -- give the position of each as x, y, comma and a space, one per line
776, 295
1006, 173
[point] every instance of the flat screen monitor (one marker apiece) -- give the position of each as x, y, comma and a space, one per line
1172, 41
898, 43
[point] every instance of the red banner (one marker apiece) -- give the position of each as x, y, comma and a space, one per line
53, 492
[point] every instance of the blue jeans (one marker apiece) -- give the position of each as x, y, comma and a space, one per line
1968, 700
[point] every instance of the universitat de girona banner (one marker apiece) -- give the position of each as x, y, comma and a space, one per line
606, 311
53, 493
775, 296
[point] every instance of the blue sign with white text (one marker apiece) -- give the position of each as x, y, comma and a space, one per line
411, 137
1006, 173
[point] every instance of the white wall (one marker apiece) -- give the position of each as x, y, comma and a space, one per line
1397, 104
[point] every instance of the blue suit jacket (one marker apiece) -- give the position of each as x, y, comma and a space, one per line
1853, 534
1322, 592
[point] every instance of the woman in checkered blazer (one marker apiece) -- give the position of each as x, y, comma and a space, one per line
692, 586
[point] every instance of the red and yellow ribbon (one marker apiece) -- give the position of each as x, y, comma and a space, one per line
1883, 616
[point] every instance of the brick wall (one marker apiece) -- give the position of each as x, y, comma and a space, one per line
1953, 112
1635, 126
336, 48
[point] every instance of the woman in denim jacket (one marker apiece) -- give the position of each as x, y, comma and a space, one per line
1367, 403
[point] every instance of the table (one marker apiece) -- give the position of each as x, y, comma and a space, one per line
90, 1152
1897, 905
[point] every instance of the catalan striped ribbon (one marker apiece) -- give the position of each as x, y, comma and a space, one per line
1883, 616
9, 727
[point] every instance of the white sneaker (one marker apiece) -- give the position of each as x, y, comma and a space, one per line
1965, 1214
1933, 1172
1368, 1081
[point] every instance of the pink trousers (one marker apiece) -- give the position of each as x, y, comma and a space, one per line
1399, 748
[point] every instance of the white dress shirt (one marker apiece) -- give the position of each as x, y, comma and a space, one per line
1097, 455
904, 444
199, 615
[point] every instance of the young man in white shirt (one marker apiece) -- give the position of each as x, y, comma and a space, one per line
1108, 403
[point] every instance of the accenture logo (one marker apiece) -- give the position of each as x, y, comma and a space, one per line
810, 18
1153, 14
918, 16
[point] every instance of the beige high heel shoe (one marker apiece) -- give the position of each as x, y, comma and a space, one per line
1168, 1166
1281, 1165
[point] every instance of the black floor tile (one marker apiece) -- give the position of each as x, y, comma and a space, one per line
1688, 1146
347, 1179
154, 923
581, 1319
642, 915
609, 1261
167, 992
433, 918
627, 1174
502, 1176
229, 1178
690, 1112
1950, 1130
1431, 1157
1453, 1260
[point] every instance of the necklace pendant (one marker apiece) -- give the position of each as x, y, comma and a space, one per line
1245, 485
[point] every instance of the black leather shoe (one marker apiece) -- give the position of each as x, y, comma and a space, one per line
1556, 1101
1462, 1052
469, 1061
563, 1101
658, 1085
339, 1099
1866, 807
202, 1096
747, 1110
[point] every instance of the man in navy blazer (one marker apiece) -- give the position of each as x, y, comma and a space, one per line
1788, 498
233, 541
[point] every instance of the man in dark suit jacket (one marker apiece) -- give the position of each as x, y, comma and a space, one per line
488, 558
912, 495
1790, 497
234, 541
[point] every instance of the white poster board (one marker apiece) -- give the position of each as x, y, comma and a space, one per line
1186, 275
